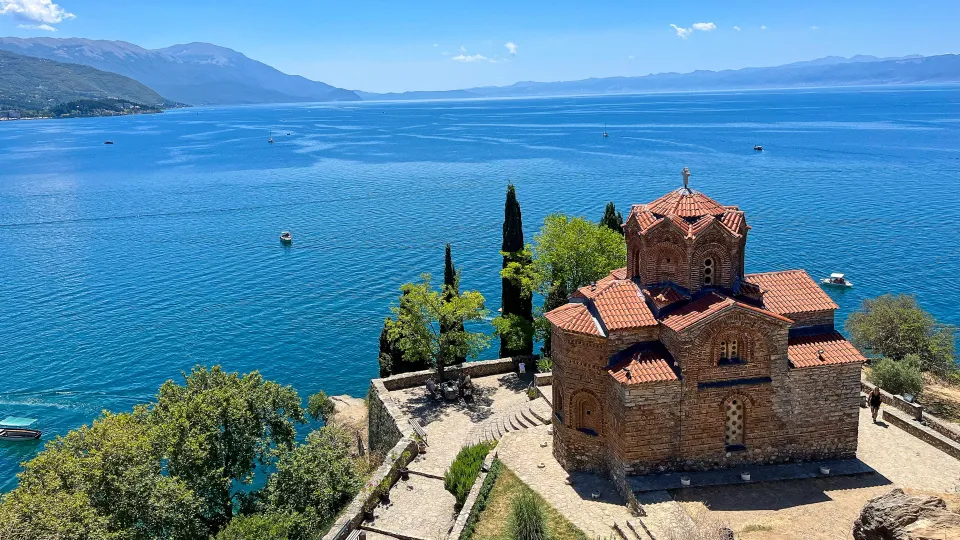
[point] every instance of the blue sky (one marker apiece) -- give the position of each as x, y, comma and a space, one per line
396, 46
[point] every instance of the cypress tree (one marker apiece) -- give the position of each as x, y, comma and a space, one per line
612, 219
512, 301
451, 288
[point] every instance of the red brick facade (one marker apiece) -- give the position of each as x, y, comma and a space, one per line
681, 361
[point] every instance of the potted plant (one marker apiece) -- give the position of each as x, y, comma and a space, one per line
383, 489
368, 509
404, 461
421, 444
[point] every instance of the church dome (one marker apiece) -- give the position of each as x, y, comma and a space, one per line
686, 203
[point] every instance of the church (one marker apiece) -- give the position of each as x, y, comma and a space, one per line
682, 361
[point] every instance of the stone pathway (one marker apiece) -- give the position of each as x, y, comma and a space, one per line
419, 508
522, 453
528, 415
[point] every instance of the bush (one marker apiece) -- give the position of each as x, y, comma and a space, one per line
527, 519
545, 364
464, 470
898, 377
321, 407
262, 527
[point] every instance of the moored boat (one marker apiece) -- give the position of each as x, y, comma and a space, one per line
286, 237
16, 429
758, 148
107, 142
836, 280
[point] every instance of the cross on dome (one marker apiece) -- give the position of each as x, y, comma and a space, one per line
686, 178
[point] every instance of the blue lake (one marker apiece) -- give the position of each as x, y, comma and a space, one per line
122, 265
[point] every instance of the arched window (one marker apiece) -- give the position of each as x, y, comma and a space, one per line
729, 351
708, 272
734, 429
558, 402
587, 414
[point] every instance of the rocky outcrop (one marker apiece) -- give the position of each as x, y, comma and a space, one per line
898, 516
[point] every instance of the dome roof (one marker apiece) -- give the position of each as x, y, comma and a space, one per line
686, 203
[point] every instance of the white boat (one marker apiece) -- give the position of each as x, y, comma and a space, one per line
13, 428
836, 280
286, 238
270, 140
605, 135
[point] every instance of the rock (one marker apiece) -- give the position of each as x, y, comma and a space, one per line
898, 516
350, 413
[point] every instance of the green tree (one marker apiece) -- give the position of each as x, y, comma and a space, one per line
898, 376
269, 526
556, 297
320, 407
385, 357
612, 219
516, 303
217, 428
417, 325
101, 481
316, 479
576, 252
896, 326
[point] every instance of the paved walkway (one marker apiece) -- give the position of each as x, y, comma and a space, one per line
522, 453
826, 508
421, 507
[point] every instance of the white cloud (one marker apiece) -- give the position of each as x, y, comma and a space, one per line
45, 27
463, 49
512, 47
630, 57
682, 33
470, 58
814, 27
38, 12
737, 28
763, 27
436, 44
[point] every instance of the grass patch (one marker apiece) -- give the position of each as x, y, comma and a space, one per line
464, 470
494, 520
755, 528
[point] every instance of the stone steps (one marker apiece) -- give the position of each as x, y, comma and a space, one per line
534, 413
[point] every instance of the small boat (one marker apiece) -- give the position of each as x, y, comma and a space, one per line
605, 135
107, 142
270, 140
758, 148
16, 429
286, 238
836, 280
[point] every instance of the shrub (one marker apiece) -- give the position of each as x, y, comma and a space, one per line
527, 519
898, 377
545, 364
320, 406
464, 470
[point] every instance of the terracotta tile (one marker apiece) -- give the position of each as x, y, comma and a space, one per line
806, 351
791, 292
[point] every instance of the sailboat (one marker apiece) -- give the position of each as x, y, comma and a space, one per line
605, 135
270, 140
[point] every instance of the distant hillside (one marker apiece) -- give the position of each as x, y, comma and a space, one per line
824, 72
37, 84
195, 73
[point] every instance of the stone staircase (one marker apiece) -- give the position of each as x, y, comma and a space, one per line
535, 413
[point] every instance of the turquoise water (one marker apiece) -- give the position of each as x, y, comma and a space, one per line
123, 265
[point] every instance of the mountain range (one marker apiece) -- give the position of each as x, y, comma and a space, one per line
194, 73
30, 83
205, 74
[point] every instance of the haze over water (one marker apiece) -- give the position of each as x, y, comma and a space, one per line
123, 265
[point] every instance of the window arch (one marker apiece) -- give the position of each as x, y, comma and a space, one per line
731, 348
558, 401
587, 415
709, 271
735, 416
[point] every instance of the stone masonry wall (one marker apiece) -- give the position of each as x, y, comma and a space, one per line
579, 373
812, 318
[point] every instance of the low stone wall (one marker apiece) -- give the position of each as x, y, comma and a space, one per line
457, 531
352, 516
482, 368
913, 409
946, 428
386, 423
923, 433
543, 379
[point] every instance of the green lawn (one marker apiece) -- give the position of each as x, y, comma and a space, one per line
492, 524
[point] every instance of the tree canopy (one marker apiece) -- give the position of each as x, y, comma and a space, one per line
574, 251
514, 326
181, 467
418, 320
896, 326
612, 219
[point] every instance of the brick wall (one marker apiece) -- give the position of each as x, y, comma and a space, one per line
811, 318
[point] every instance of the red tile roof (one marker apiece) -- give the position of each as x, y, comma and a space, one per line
806, 351
663, 296
574, 317
619, 273
649, 365
790, 292
707, 306
686, 203
619, 303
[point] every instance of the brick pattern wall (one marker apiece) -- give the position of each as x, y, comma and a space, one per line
811, 318
666, 254
579, 367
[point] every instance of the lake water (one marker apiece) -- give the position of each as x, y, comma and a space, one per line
122, 265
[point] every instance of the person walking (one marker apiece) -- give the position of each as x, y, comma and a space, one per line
875, 399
